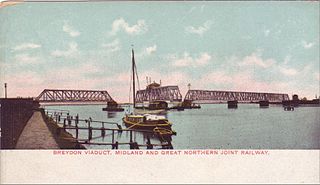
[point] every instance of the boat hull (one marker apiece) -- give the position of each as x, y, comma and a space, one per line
113, 109
145, 125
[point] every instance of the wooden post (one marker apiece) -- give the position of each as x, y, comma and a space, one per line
64, 124
120, 128
130, 136
77, 119
112, 136
77, 132
149, 145
103, 132
115, 145
89, 130
69, 120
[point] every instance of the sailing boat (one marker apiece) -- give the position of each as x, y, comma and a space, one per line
135, 120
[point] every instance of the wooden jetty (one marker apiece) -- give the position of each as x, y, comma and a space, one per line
68, 122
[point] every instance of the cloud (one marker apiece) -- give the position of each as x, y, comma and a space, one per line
121, 24
26, 59
187, 60
112, 46
241, 81
147, 51
70, 30
256, 60
151, 49
200, 30
70, 53
307, 45
203, 59
26, 46
246, 82
167, 78
288, 71
217, 77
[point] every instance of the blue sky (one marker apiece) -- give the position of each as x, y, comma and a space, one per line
241, 46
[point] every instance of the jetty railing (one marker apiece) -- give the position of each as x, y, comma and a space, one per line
74, 123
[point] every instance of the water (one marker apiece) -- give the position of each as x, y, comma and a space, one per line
216, 127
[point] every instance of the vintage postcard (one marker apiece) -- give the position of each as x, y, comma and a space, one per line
159, 92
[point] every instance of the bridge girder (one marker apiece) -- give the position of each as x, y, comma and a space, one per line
58, 95
222, 96
165, 93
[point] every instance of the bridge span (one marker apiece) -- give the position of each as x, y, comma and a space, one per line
164, 93
224, 96
74, 96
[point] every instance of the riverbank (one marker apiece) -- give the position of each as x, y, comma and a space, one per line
64, 139
25, 126
36, 135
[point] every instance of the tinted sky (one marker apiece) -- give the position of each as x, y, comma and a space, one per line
241, 46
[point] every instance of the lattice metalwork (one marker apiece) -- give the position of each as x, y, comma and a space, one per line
55, 95
222, 96
165, 93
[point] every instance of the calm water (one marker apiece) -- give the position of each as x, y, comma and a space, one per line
216, 127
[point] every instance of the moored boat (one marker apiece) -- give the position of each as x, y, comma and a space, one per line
113, 107
146, 121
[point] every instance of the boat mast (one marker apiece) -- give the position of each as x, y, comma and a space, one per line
133, 81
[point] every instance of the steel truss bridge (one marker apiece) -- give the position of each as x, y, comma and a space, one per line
73, 96
165, 93
223, 96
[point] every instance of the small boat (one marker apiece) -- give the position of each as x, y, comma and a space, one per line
113, 107
187, 104
164, 132
156, 107
146, 122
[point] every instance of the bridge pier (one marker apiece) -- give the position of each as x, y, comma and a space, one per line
264, 104
233, 104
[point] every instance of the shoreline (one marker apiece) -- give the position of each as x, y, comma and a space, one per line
64, 139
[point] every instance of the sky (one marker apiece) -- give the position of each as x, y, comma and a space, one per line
235, 46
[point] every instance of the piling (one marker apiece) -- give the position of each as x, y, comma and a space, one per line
115, 145
103, 132
130, 136
64, 124
89, 129
5, 90
112, 136
232, 104
149, 145
264, 104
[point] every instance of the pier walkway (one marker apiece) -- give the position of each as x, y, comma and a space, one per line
36, 135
